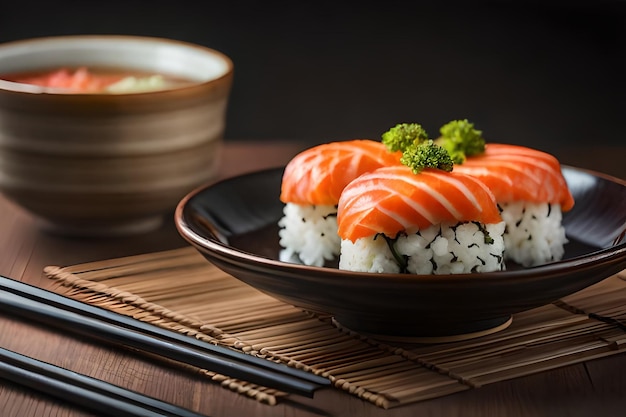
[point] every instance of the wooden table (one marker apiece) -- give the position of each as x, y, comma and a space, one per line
597, 387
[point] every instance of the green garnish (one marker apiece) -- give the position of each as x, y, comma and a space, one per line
461, 139
418, 152
426, 155
403, 135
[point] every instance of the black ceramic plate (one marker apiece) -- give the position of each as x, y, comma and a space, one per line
233, 223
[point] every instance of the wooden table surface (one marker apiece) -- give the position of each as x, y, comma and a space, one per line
593, 388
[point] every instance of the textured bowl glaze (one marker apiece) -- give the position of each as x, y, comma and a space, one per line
101, 164
233, 223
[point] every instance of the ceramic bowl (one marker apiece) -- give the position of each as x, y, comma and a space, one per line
103, 163
233, 223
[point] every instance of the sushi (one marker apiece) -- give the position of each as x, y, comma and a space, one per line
532, 193
530, 189
394, 220
311, 186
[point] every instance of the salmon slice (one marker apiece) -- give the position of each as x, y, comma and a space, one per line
80, 80
318, 175
393, 199
517, 173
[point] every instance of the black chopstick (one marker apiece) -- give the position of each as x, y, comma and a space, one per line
95, 322
88, 310
84, 391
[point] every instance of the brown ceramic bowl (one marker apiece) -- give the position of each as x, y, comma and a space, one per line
233, 223
104, 163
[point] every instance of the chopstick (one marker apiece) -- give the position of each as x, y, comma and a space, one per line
87, 320
82, 390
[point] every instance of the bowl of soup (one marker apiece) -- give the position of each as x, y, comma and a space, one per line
104, 134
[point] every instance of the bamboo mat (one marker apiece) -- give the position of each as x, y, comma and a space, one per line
180, 290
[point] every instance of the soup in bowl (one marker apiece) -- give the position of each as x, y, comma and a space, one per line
98, 81
104, 134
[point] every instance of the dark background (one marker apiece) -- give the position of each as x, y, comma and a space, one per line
539, 73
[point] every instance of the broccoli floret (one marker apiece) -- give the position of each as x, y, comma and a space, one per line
426, 154
461, 140
401, 136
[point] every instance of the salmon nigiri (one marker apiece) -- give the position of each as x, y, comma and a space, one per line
311, 186
318, 175
529, 187
397, 219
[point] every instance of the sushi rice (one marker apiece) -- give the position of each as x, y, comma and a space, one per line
534, 234
308, 234
438, 249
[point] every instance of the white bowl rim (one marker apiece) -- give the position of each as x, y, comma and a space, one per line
13, 51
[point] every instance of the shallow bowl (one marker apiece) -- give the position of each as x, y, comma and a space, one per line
233, 223
103, 163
